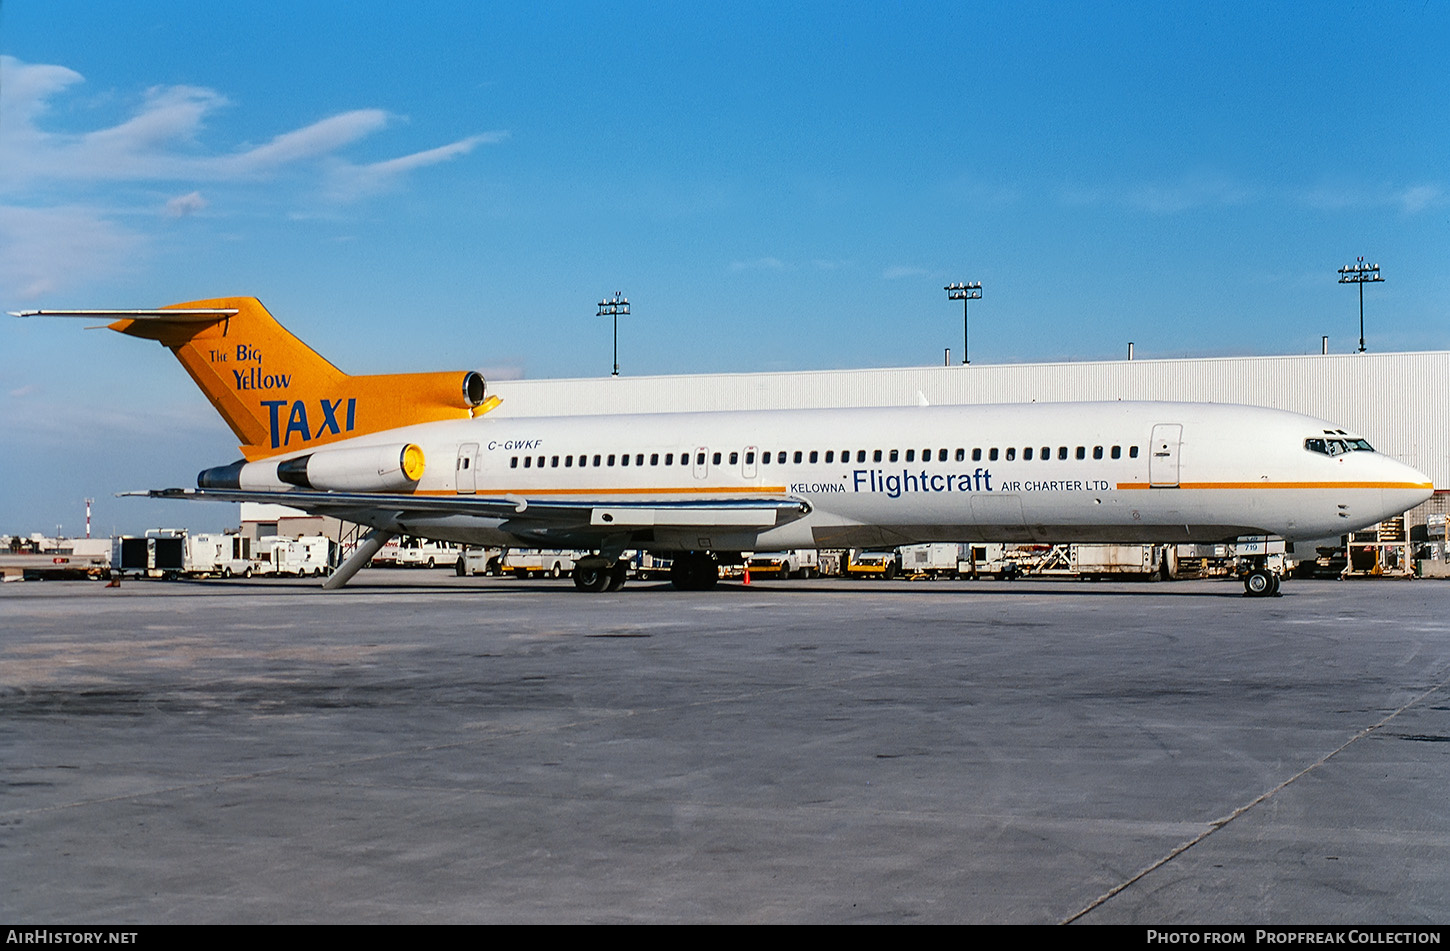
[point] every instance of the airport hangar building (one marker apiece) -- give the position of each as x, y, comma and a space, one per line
1400, 402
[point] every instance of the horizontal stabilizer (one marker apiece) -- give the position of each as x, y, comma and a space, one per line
196, 314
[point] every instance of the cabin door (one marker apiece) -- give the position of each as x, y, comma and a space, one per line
1163, 455
464, 469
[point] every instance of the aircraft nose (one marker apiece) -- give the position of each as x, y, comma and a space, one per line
1403, 487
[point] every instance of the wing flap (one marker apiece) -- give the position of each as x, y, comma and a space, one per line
524, 514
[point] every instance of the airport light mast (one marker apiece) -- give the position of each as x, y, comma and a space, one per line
613, 308
970, 291
1361, 274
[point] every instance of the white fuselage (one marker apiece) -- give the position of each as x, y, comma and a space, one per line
1064, 472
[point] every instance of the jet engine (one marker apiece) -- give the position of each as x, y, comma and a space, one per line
388, 468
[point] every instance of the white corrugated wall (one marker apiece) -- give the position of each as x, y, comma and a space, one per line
1398, 401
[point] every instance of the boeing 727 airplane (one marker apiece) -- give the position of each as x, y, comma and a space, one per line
419, 454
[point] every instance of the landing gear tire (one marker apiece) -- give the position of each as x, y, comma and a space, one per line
593, 579
617, 576
1261, 583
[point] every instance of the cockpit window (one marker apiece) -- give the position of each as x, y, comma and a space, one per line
1337, 446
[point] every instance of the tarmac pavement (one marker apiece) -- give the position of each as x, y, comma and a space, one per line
424, 748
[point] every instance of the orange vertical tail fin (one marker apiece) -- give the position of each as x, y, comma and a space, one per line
278, 394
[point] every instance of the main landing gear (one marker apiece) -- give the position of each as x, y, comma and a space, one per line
597, 574
689, 571
694, 571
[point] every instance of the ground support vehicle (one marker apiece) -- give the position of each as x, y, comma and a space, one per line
539, 562
936, 560
307, 555
476, 560
218, 555
870, 564
425, 553
797, 563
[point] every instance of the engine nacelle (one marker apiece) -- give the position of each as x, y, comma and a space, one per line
364, 469
391, 468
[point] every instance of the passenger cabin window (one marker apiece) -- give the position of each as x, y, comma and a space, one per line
1132, 452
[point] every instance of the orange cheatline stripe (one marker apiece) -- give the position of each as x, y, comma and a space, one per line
659, 490
1282, 485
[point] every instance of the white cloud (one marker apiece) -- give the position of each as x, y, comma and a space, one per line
349, 181
759, 264
1419, 197
183, 205
1189, 193
1345, 195
43, 250
161, 142
313, 141
61, 211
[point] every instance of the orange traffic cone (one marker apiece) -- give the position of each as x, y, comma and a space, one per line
747, 574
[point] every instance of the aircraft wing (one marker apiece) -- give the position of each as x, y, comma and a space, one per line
544, 518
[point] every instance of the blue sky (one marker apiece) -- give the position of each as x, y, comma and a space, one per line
774, 186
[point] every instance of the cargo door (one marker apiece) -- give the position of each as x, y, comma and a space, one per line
1163, 455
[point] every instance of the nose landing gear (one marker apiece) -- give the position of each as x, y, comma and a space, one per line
1261, 582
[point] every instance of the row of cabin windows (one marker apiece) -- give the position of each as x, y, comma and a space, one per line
1010, 454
